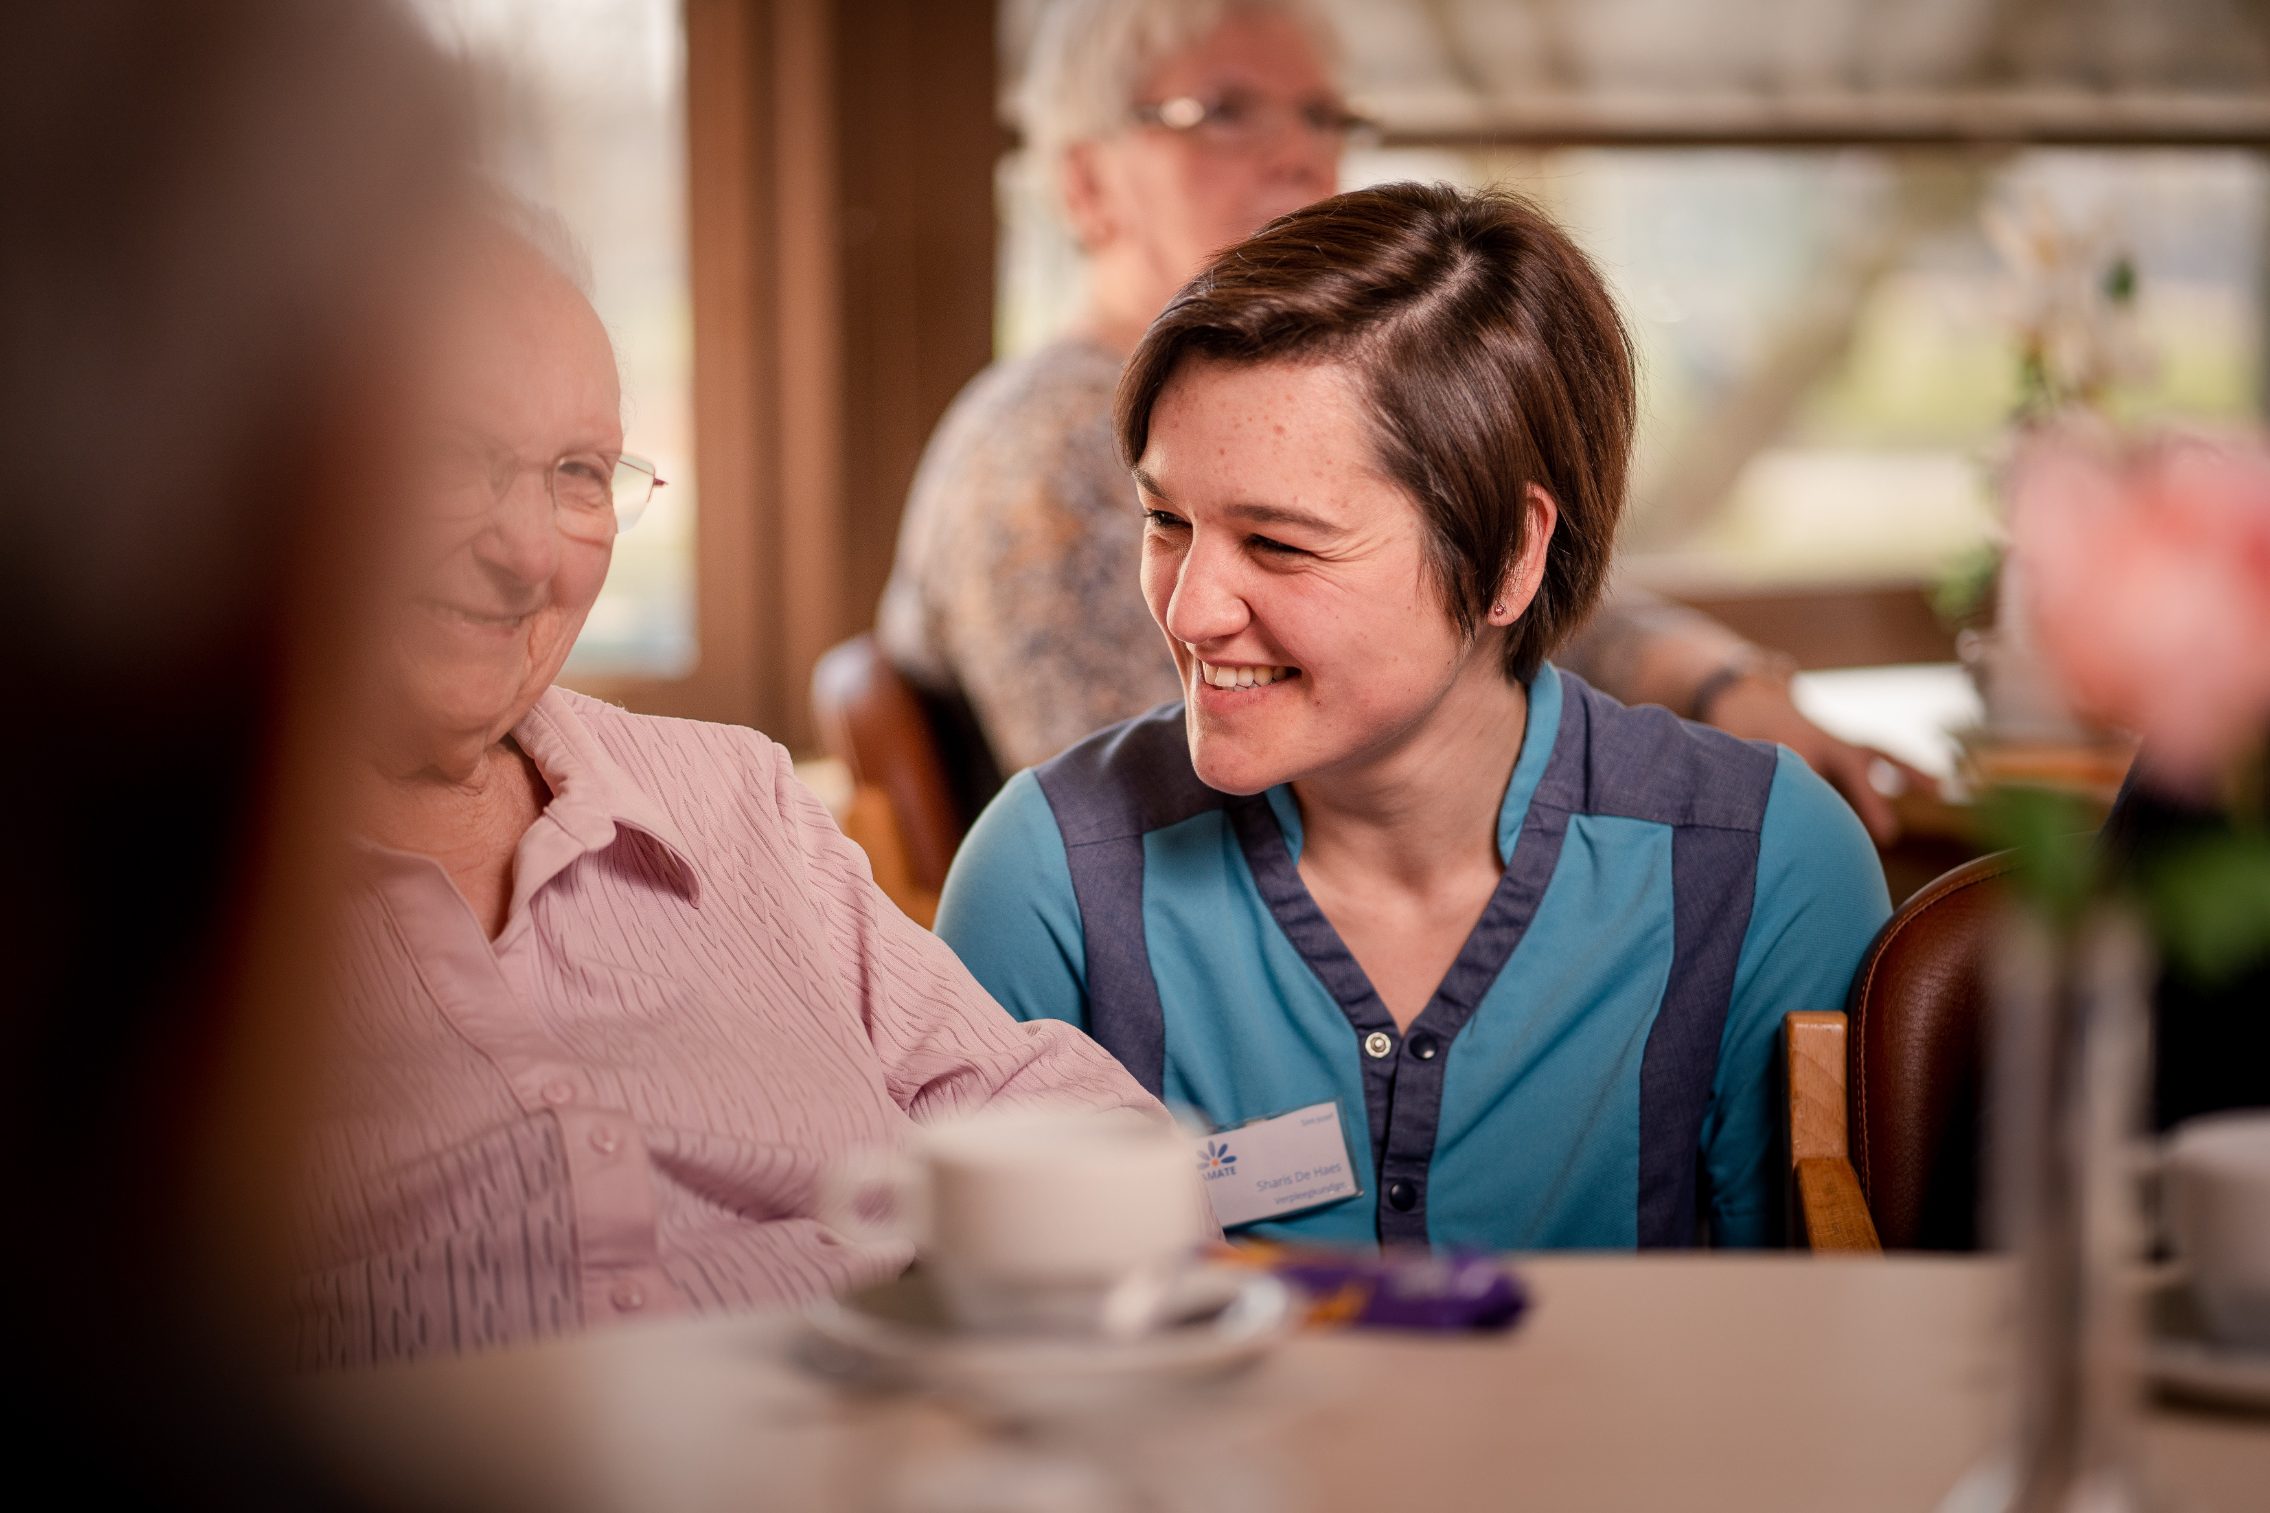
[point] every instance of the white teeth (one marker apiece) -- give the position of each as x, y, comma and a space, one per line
1247, 676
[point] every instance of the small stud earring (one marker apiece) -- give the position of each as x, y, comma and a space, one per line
1496, 610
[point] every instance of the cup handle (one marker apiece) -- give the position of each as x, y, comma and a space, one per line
1136, 1304
874, 1197
2149, 1168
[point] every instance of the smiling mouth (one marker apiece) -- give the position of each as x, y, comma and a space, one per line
476, 619
1248, 675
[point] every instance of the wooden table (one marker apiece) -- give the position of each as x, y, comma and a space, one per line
1679, 1383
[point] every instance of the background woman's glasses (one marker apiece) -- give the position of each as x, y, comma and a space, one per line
1240, 119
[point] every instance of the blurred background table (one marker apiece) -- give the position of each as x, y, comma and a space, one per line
1912, 712
1927, 715
1698, 1383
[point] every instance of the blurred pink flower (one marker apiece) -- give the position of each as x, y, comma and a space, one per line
2145, 571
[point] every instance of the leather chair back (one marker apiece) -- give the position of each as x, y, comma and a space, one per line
922, 751
1915, 1057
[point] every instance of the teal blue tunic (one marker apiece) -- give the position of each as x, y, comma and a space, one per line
1597, 1068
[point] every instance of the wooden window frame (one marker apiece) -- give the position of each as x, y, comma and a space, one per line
841, 232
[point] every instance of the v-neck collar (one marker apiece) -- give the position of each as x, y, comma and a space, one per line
1269, 832
1537, 741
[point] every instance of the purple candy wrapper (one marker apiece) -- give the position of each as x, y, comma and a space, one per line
1427, 1290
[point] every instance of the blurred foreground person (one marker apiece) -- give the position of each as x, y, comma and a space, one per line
1171, 129
213, 214
615, 989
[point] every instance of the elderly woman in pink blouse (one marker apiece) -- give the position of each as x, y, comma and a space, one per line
614, 990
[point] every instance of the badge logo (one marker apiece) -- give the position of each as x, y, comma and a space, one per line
1217, 1161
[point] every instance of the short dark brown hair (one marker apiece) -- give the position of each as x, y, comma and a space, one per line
1487, 351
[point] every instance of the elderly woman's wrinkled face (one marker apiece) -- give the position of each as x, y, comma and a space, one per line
1178, 196
498, 577
1291, 578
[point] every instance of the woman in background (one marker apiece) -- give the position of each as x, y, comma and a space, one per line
1172, 128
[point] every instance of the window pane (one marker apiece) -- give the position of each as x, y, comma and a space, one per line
1828, 339
585, 107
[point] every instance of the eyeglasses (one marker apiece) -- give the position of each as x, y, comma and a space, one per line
594, 497
1239, 119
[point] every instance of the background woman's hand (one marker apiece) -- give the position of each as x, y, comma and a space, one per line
1759, 708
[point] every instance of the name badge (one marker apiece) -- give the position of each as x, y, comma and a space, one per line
1273, 1167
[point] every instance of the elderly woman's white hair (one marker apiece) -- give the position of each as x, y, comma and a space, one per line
534, 225
1087, 58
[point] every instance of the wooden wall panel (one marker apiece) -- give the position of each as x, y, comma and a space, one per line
921, 142
840, 161
885, 233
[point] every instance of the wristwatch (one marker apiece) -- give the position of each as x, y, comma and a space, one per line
1773, 667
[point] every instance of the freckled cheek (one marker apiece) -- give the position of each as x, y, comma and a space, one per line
1317, 615
1359, 650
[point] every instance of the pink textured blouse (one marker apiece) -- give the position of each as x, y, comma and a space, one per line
622, 1106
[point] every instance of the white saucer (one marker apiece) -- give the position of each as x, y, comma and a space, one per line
2184, 1363
1222, 1319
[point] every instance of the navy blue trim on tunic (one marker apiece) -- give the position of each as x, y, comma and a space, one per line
1107, 793
1277, 878
1711, 789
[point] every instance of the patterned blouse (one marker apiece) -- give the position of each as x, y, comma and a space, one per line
623, 1105
1016, 579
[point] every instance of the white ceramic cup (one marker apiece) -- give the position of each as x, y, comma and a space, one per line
2216, 1192
1034, 1218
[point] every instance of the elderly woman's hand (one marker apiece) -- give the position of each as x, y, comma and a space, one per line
1758, 707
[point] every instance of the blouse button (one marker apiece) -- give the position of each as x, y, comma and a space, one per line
1379, 1044
605, 1140
628, 1296
557, 1093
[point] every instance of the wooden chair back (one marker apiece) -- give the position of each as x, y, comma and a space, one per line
919, 767
1890, 1090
